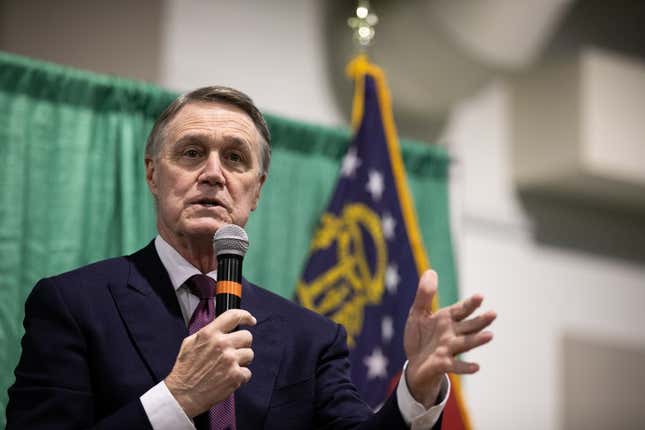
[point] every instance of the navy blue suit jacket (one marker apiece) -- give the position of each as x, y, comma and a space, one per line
98, 337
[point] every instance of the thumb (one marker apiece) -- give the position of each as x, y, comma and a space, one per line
426, 292
232, 318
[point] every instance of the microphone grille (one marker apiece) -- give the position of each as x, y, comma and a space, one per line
230, 239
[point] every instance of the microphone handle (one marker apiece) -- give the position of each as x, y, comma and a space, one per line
228, 292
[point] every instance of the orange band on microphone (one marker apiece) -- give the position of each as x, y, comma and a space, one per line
229, 287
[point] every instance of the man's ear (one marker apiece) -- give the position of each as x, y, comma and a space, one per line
257, 192
151, 175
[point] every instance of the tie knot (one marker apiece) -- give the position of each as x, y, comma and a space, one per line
202, 286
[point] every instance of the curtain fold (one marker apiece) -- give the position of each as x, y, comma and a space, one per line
73, 191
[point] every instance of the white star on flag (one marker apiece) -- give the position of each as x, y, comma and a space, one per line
350, 163
375, 184
388, 224
376, 364
387, 328
392, 278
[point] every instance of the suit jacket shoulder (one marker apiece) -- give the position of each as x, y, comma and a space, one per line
83, 362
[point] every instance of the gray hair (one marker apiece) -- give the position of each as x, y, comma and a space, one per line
212, 94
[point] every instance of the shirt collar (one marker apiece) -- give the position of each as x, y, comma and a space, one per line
178, 268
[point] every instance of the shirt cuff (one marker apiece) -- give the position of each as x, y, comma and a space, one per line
414, 413
163, 411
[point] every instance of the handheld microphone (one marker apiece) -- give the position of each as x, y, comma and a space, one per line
230, 244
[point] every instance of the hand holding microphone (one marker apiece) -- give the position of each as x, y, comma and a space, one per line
211, 363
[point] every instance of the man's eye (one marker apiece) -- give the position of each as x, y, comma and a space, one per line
235, 157
191, 153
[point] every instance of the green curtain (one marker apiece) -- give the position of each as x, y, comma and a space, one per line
72, 187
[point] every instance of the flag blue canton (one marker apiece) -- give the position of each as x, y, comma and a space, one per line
361, 271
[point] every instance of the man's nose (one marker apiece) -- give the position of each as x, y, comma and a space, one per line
212, 172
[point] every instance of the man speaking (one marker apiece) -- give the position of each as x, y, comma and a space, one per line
132, 342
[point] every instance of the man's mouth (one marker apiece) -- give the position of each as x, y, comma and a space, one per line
208, 202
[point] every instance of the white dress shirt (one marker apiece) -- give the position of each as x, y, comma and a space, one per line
164, 412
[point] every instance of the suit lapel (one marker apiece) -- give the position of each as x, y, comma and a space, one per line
149, 308
148, 305
252, 399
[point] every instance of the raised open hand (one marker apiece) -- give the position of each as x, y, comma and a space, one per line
432, 340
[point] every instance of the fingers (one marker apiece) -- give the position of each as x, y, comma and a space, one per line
239, 339
217, 334
465, 343
236, 361
464, 367
476, 324
425, 292
462, 309
237, 344
432, 340
230, 319
244, 356
245, 374
234, 347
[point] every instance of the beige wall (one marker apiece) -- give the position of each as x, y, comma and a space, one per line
119, 37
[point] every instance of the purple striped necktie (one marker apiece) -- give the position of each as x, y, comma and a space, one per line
222, 415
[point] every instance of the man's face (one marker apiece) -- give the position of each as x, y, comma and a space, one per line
207, 172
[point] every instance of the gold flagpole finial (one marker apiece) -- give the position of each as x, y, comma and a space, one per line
363, 24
